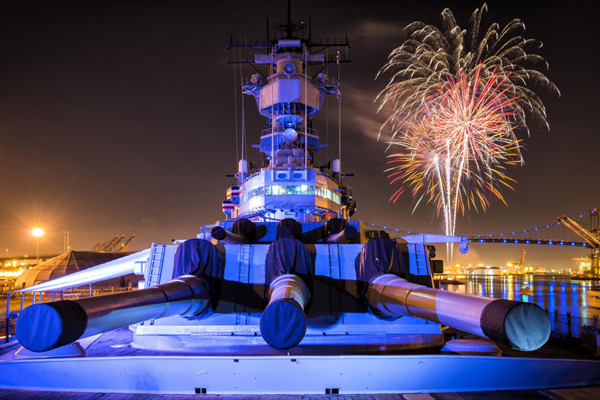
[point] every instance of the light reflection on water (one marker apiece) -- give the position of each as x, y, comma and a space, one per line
549, 292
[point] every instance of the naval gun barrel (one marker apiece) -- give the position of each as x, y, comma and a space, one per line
283, 322
43, 327
220, 233
523, 326
345, 236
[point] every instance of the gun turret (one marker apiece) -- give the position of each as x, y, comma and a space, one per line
523, 326
43, 327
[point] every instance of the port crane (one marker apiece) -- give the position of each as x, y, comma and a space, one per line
591, 237
113, 245
125, 246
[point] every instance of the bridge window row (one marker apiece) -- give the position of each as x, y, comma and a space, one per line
280, 190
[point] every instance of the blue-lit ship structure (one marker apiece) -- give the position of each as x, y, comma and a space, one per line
289, 294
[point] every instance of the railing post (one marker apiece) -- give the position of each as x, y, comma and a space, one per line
595, 324
556, 329
7, 328
569, 324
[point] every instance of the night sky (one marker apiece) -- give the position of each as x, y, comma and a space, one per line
118, 117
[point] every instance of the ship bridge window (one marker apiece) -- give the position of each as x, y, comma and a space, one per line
305, 189
291, 190
277, 190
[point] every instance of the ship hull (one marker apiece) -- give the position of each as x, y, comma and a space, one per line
295, 374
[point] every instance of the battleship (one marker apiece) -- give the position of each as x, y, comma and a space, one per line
289, 293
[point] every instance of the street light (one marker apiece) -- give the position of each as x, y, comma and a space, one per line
37, 233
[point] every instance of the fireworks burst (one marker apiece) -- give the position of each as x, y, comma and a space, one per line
456, 150
456, 98
431, 56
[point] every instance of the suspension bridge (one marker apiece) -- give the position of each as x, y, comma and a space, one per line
568, 231
565, 231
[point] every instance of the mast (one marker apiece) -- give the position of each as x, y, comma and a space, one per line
289, 89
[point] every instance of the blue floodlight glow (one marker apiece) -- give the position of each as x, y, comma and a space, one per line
561, 243
585, 245
111, 269
504, 241
516, 241
372, 224
513, 233
408, 232
550, 242
572, 243
539, 242
481, 240
527, 242
502, 234
536, 229
385, 227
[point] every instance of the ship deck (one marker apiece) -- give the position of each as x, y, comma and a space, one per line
589, 393
118, 345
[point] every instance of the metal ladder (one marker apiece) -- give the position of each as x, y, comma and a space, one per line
156, 262
241, 293
335, 286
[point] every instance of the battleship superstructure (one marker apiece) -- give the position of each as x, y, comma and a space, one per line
288, 275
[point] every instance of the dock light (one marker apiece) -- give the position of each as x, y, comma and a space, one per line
37, 233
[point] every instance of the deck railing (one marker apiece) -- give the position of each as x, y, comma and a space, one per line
7, 324
570, 325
